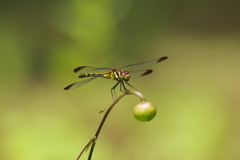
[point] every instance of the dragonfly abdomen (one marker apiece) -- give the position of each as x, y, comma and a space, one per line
91, 75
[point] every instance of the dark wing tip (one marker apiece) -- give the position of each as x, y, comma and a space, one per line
78, 69
68, 87
147, 72
162, 59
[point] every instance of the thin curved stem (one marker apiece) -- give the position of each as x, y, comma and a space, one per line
93, 140
138, 94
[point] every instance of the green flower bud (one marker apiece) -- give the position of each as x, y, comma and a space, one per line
144, 111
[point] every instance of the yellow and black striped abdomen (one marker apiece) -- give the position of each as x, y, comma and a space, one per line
92, 75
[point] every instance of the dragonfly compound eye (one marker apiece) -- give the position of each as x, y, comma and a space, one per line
126, 75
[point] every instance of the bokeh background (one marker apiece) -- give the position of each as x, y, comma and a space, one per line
196, 90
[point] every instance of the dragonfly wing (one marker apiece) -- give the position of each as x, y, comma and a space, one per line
78, 84
144, 64
88, 69
140, 73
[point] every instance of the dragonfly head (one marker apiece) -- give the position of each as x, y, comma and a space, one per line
126, 75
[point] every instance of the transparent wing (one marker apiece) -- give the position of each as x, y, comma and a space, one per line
78, 84
140, 73
144, 64
88, 69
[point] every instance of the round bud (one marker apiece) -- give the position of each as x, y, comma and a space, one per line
144, 111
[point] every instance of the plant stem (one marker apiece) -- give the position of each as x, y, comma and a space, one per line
91, 151
93, 140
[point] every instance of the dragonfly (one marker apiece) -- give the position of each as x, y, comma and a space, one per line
122, 75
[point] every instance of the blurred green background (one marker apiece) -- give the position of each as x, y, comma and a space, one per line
196, 90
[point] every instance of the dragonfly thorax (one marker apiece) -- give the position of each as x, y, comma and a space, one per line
120, 75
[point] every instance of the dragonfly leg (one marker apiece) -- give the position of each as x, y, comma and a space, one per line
130, 85
113, 90
122, 85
